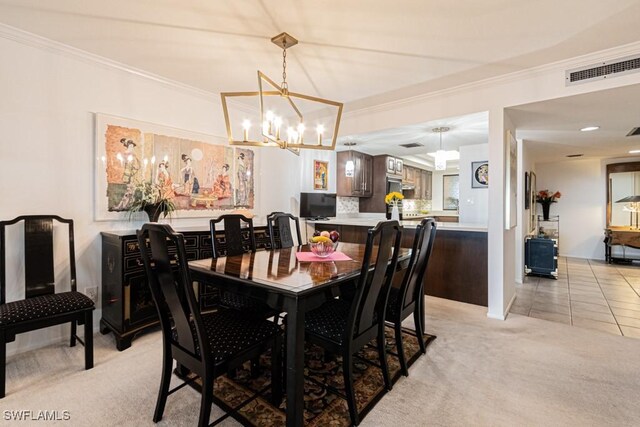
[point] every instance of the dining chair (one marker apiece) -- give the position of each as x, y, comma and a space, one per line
279, 224
409, 297
344, 327
238, 235
207, 344
42, 306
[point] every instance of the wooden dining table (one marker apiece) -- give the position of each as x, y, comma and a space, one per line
291, 286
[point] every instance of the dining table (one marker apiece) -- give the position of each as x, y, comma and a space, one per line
288, 284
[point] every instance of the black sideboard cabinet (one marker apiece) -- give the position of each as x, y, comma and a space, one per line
127, 303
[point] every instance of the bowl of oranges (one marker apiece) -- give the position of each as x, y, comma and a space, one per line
324, 243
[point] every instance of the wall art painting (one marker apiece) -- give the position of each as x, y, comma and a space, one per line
320, 175
480, 174
198, 172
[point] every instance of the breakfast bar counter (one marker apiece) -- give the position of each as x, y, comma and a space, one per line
458, 265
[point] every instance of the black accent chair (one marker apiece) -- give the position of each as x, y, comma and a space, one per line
207, 344
280, 223
344, 327
42, 306
409, 297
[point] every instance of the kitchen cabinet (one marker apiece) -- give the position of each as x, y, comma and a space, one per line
421, 180
409, 175
361, 183
395, 166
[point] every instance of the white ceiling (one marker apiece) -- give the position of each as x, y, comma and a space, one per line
358, 52
364, 52
551, 129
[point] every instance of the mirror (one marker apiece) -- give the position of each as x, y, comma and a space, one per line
623, 183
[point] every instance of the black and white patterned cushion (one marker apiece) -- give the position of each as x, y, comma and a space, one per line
329, 320
43, 306
240, 302
230, 332
392, 304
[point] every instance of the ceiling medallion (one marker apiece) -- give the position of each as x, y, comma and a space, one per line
280, 119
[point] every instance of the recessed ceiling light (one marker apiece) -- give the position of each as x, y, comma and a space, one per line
634, 151
590, 128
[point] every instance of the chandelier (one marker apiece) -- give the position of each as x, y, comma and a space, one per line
440, 162
273, 116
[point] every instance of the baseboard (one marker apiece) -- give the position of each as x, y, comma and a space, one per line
506, 312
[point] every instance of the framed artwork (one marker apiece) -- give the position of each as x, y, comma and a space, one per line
511, 181
320, 175
199, 173
532, 202
480, 174
450, 192
527, 191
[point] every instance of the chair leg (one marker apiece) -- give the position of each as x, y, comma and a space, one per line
276, 371
3, 364
347, 371
419, 323
88, 340
397, 326
165, 381
74, 331
207, 398
382, 354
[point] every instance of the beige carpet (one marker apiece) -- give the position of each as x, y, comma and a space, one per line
478, 371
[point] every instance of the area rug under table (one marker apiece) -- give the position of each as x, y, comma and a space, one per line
322, 406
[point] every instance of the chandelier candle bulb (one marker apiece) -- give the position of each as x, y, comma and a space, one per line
246, 124
278, 123
301, 130
320, 130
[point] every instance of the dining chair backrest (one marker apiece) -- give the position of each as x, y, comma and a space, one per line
165, 263
412, 288
39, 271
372, 290
237, 239
280, 224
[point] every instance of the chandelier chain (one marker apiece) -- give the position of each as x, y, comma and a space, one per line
284, 68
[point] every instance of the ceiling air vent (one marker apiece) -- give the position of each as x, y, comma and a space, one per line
412, 145
634, 132
603, 70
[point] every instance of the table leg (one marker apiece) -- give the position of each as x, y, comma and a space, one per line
295, 365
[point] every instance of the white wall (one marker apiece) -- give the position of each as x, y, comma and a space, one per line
581, 207
525, 164
436, 190
50, 95
474, 202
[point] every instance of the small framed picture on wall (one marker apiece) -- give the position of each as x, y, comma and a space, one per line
480, 174
320, 175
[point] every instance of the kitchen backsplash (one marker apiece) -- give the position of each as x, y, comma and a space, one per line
347, 205
416, 205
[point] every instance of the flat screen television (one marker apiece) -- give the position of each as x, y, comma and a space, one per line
317, 205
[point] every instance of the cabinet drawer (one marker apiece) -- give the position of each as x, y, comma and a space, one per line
190, 241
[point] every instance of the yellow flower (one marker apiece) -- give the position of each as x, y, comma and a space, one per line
393, 197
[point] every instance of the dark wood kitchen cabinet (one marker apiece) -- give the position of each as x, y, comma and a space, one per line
360, 184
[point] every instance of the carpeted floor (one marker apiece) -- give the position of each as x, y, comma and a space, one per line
523, 371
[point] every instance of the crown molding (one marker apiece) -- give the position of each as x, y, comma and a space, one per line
562, 65
33, 40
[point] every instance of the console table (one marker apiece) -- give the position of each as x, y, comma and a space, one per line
127, 303
620, 236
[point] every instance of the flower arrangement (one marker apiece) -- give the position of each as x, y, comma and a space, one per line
150, 198
393, 198
547, 197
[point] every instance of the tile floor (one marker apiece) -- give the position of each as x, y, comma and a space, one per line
588, 294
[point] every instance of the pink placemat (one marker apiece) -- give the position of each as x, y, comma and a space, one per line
310, 256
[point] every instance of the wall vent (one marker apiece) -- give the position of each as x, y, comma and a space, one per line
603, 70
412, 145
634, 132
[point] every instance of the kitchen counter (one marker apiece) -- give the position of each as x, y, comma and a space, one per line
408, 223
